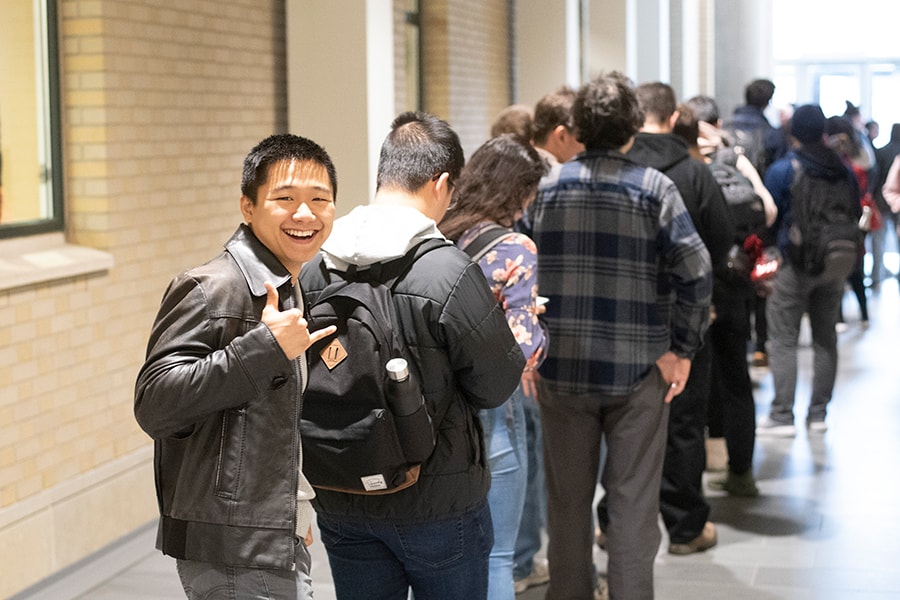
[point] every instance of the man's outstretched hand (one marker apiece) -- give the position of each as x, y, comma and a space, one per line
290, 329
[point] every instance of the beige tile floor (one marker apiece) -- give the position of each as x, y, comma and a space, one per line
826, 525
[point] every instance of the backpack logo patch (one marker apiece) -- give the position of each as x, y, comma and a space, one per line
333, 354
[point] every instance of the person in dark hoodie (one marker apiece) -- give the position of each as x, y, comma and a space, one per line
749, 123
797, 292
682, 504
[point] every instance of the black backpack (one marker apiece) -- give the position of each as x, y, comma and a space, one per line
352, 442
824, 234
751, 142
746, 206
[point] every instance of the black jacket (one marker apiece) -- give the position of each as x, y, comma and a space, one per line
698, 188
222, 403
468, 360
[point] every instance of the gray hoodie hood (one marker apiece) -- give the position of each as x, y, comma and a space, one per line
376, 233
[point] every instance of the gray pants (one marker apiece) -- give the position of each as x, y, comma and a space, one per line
207, 580
635, 431
795, 294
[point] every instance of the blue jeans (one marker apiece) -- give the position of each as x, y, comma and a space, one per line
534, 514
440, 560
504, 439
207, 580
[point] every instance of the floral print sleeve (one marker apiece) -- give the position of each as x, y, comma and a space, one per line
510, 267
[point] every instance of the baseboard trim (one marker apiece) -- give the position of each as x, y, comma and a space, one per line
93, 570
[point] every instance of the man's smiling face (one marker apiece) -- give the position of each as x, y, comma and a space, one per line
293, 213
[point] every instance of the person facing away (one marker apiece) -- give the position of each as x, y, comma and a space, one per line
864, 157
516, 119
797, 293
766, 144
713, 139
220, 390
684, 508
629, 283
435, 536
497, 183
841, 137
555, 141
554, 134
731, 411
750, 117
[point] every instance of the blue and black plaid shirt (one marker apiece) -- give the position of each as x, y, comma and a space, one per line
627, 275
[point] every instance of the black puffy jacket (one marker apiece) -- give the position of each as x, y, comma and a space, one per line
468, 360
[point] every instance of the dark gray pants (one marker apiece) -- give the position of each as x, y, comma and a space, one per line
819, 297
635, 430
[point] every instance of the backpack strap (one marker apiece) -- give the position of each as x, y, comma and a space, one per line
486, 240
726, 156
388, 272
391, 272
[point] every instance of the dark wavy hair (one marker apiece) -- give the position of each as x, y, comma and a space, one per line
606, 112
497, 181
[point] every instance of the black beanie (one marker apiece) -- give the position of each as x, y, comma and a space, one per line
808, 124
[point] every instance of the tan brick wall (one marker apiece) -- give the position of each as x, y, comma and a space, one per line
465, 63
161, 101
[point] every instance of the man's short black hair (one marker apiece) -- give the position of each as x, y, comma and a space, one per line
657, 99
276, 148
705, 109
759, 93
420, 146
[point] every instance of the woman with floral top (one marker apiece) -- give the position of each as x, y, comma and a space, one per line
497, 184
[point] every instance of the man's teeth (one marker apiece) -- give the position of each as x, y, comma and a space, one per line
300, 234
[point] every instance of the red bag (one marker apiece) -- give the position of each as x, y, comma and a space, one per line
766, 260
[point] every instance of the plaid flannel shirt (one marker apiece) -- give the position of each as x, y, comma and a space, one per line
627, 275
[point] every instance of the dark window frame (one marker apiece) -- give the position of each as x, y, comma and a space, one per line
53, 121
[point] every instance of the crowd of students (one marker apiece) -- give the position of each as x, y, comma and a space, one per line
587, 321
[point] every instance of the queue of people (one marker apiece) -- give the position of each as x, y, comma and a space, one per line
585, 321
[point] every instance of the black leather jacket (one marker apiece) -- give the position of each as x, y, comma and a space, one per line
222, 402
468, 360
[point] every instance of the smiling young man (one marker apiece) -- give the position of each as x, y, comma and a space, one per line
220, 391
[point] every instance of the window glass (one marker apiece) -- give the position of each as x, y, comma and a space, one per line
885, 104
839, 55
30, 189
821, 28
835, 90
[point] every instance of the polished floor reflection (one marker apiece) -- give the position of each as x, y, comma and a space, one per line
826, 525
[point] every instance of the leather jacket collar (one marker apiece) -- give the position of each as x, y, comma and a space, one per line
256, 262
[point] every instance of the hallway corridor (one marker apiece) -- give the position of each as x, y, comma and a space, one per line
826, 525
